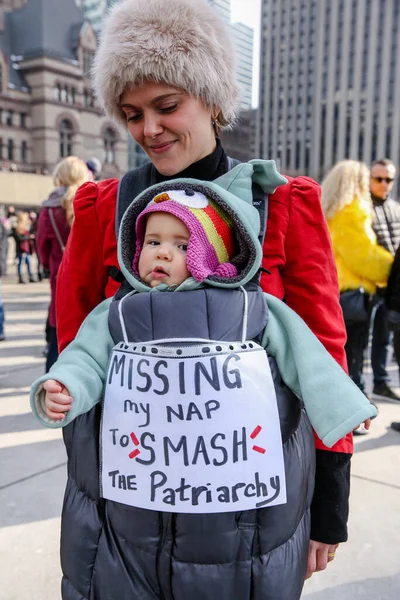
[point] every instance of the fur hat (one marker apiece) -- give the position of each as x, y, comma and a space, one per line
212, 243
182, 43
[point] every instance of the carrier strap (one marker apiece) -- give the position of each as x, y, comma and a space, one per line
260, 201
186, 340
131, 185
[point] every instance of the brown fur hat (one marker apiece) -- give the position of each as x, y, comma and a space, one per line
182, 43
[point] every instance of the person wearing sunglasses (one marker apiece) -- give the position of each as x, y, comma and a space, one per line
387, 229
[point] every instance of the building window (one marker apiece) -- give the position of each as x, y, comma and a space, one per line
388, 142
298, 154
307, 158
23, 120
87, 62
57, 93
322, 137
10, 150
65, 138
1, 148
73, 95
109, 147
64, 94
374, 141
360, 144
10, 118
88, 99
1, 78
24, 152
288, 157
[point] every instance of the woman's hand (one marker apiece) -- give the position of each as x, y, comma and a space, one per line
319, 555
57, 400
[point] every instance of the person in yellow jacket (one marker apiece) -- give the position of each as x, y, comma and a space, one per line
361, 264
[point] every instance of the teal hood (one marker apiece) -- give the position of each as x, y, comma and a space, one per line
233, 192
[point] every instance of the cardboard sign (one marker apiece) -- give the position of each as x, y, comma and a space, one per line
191, 429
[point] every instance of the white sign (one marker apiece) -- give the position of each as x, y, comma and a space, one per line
191, 429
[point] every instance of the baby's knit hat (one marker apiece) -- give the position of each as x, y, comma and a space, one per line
211, 244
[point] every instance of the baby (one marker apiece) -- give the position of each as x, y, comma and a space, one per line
161, 256
162, 260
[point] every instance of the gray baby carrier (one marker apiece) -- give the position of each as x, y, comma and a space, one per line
111, 550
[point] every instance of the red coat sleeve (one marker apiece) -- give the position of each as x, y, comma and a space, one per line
83, 281
297, 250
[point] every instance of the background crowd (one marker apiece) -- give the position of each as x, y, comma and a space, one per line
364, 224
363, 221
34, 242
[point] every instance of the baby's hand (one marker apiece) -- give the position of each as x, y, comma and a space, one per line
57, 401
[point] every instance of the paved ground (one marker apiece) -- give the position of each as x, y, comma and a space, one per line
33, 472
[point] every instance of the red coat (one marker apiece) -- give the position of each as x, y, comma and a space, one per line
49, 248
297, 251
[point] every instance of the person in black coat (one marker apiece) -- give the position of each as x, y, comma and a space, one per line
3, 268
393, 305
386, 226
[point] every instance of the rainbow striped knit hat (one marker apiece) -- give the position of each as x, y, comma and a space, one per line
211, 244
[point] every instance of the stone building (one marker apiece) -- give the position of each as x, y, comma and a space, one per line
47, 106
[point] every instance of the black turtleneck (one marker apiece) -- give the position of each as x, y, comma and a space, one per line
378, 201
206, 169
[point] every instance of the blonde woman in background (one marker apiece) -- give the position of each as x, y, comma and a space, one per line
360, 262
54, 226
23, 245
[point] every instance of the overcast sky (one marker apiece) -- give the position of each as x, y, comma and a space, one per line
248, 12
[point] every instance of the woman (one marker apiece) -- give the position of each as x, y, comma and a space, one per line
165, 72
361, 263
53, 230
23, 249
33, 230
